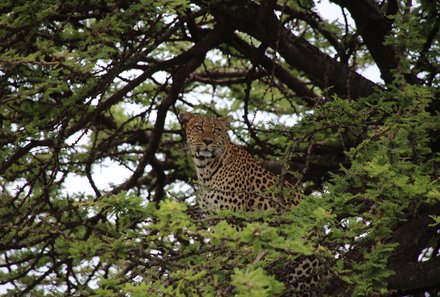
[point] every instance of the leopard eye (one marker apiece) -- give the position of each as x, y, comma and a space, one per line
198, 127
217, 130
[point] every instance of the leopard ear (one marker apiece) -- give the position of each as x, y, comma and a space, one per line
228, 120
184, 118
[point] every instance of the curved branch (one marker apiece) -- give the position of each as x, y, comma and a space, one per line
299, 53
258, 57
315, 22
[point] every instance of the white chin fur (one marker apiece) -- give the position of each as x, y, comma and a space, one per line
207, 154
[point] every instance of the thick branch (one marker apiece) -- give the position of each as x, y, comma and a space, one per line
300, 54
414, 277
413, 237
374, 26
315, 22
257, 57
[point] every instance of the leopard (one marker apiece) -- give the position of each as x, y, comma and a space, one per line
231, 178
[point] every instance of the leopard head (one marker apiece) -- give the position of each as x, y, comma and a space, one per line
206, 135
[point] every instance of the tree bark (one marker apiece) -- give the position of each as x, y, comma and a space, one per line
261, 22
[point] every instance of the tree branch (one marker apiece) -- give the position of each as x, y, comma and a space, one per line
374, 26
415, 277
197, 52
225, 78
299, 53
257, 57
23, 151
413, 236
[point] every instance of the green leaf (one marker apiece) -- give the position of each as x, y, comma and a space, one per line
255, 282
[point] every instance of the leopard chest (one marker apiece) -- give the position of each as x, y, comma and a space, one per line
222, 187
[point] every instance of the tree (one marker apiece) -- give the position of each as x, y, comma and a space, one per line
87, 82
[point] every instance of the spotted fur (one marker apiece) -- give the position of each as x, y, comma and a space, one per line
229, 176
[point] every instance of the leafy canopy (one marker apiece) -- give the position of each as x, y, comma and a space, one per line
97, 189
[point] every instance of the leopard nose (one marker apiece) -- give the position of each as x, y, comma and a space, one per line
207, 140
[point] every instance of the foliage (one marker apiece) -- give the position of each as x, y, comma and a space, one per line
97, 190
